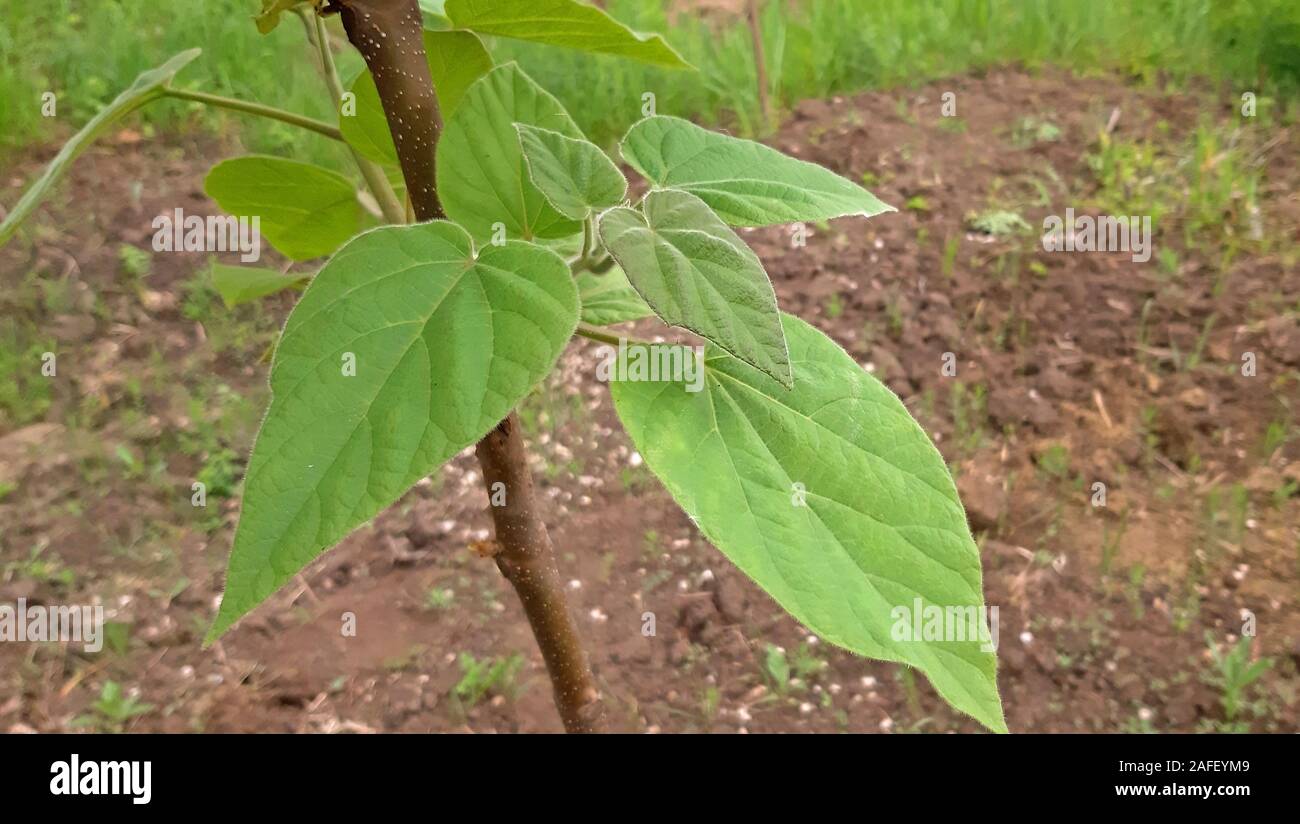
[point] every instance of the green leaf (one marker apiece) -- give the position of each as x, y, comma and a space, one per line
563, 23
609, 299
746, 183
574, 176
434, 7
366, 129
245, 284
305, 211
444, 345
698, 274
482, 178
456, 59
147, 87
830, 497
269, 17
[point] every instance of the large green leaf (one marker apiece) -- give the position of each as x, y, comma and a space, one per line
564, 23
830, 497
609, 299
305, 211
147, 87
244, 284
456, 59
444, 344
698, 274
482, 178
575, 176
746, 183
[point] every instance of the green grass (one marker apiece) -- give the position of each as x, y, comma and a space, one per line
86, 53
816, 48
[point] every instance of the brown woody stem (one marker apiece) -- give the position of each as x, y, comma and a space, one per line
390, 36
388, 33
527, 561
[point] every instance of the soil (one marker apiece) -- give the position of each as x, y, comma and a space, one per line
1071, 370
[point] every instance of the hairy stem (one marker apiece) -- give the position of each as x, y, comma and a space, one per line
292, 118
388, 33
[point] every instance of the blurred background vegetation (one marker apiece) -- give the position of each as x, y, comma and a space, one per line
86, 53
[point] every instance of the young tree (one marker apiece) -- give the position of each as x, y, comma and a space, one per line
514, 234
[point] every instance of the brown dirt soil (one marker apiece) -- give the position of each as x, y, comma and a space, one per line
1071, 369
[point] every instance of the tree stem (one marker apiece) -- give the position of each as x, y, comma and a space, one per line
527, 560
388, 33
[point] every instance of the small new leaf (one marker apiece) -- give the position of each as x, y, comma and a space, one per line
575, 176
696, 273
269, 17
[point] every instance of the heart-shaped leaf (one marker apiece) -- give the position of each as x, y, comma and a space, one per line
405, 349
834, 501
696, 273
746, 183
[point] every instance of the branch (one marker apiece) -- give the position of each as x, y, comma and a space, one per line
596, 333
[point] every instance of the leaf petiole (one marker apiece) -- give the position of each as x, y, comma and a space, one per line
247, 107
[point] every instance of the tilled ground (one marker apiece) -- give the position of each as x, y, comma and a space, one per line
1070, 370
